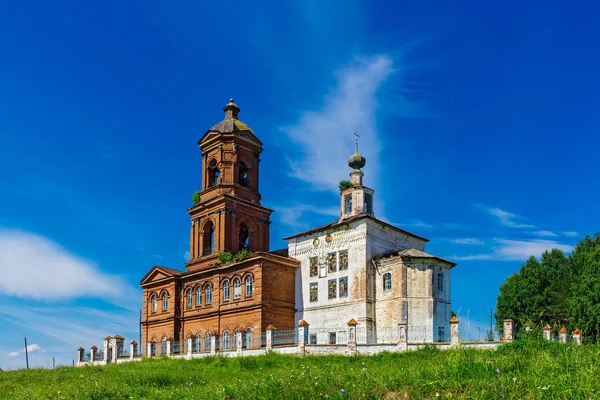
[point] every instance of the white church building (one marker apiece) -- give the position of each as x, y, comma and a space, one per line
364, 269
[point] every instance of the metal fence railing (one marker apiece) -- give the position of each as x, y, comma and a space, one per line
327, 336
99, 356
176, 347
420, 334
281, 338
387, 335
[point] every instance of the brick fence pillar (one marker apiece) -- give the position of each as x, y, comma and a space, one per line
302, 336
547, 332
214, 342
577, 337
149, 349
169, 346
508, 333
105, 347
270, 330
133, 348
93, 350
80, 355
239, 342
402, 344
454, 339
351, 345
189, 346
562, 335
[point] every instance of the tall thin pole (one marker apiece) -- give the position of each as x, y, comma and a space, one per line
140, 345
491, 333
26, 354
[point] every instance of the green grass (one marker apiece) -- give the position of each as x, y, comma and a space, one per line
521, 370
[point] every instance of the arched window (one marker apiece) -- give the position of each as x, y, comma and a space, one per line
387, 281
248, 338
440, 281
248, 286
225, 340
209, 294
226, 291
368, 206
208, 238
237, 288
244, 238
163, 345
213, 173
153, 303
243, 175
197, 343
165, 302
207, 341
190, 299
235, 332
347, 204
199, 296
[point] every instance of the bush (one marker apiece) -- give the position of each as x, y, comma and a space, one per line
241, 255
343, 185
225, 257
196, 198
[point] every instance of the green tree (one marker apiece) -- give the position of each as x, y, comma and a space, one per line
538, 292
584, 302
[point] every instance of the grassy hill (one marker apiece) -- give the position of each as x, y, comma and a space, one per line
521, 370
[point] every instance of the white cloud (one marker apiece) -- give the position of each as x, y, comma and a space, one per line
292, 215
469, 241
32, 348
34, 267
416, 223
325, 136
571, 233
186, 256
505, 218
517, 250
545, 233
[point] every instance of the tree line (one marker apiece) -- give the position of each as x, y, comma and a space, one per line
559, 290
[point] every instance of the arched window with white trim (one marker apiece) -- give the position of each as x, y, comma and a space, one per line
234, 344
249, 287
153, 302
248, 338
226, 291
199, 296
165, 301
237, 288
207, 341
387, 281
190, 298
208, 293
197, 343
225, 340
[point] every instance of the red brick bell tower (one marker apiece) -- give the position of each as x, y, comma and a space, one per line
229, 216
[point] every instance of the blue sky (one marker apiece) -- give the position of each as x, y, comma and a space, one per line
479, 123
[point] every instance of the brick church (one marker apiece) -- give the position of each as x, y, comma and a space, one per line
216, 295
357, 267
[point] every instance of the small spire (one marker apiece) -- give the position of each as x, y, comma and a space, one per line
356, 161
231, 109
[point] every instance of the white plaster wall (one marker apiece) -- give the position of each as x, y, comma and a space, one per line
384, 240
332, 313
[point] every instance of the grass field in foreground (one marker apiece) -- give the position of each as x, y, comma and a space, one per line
520, 370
